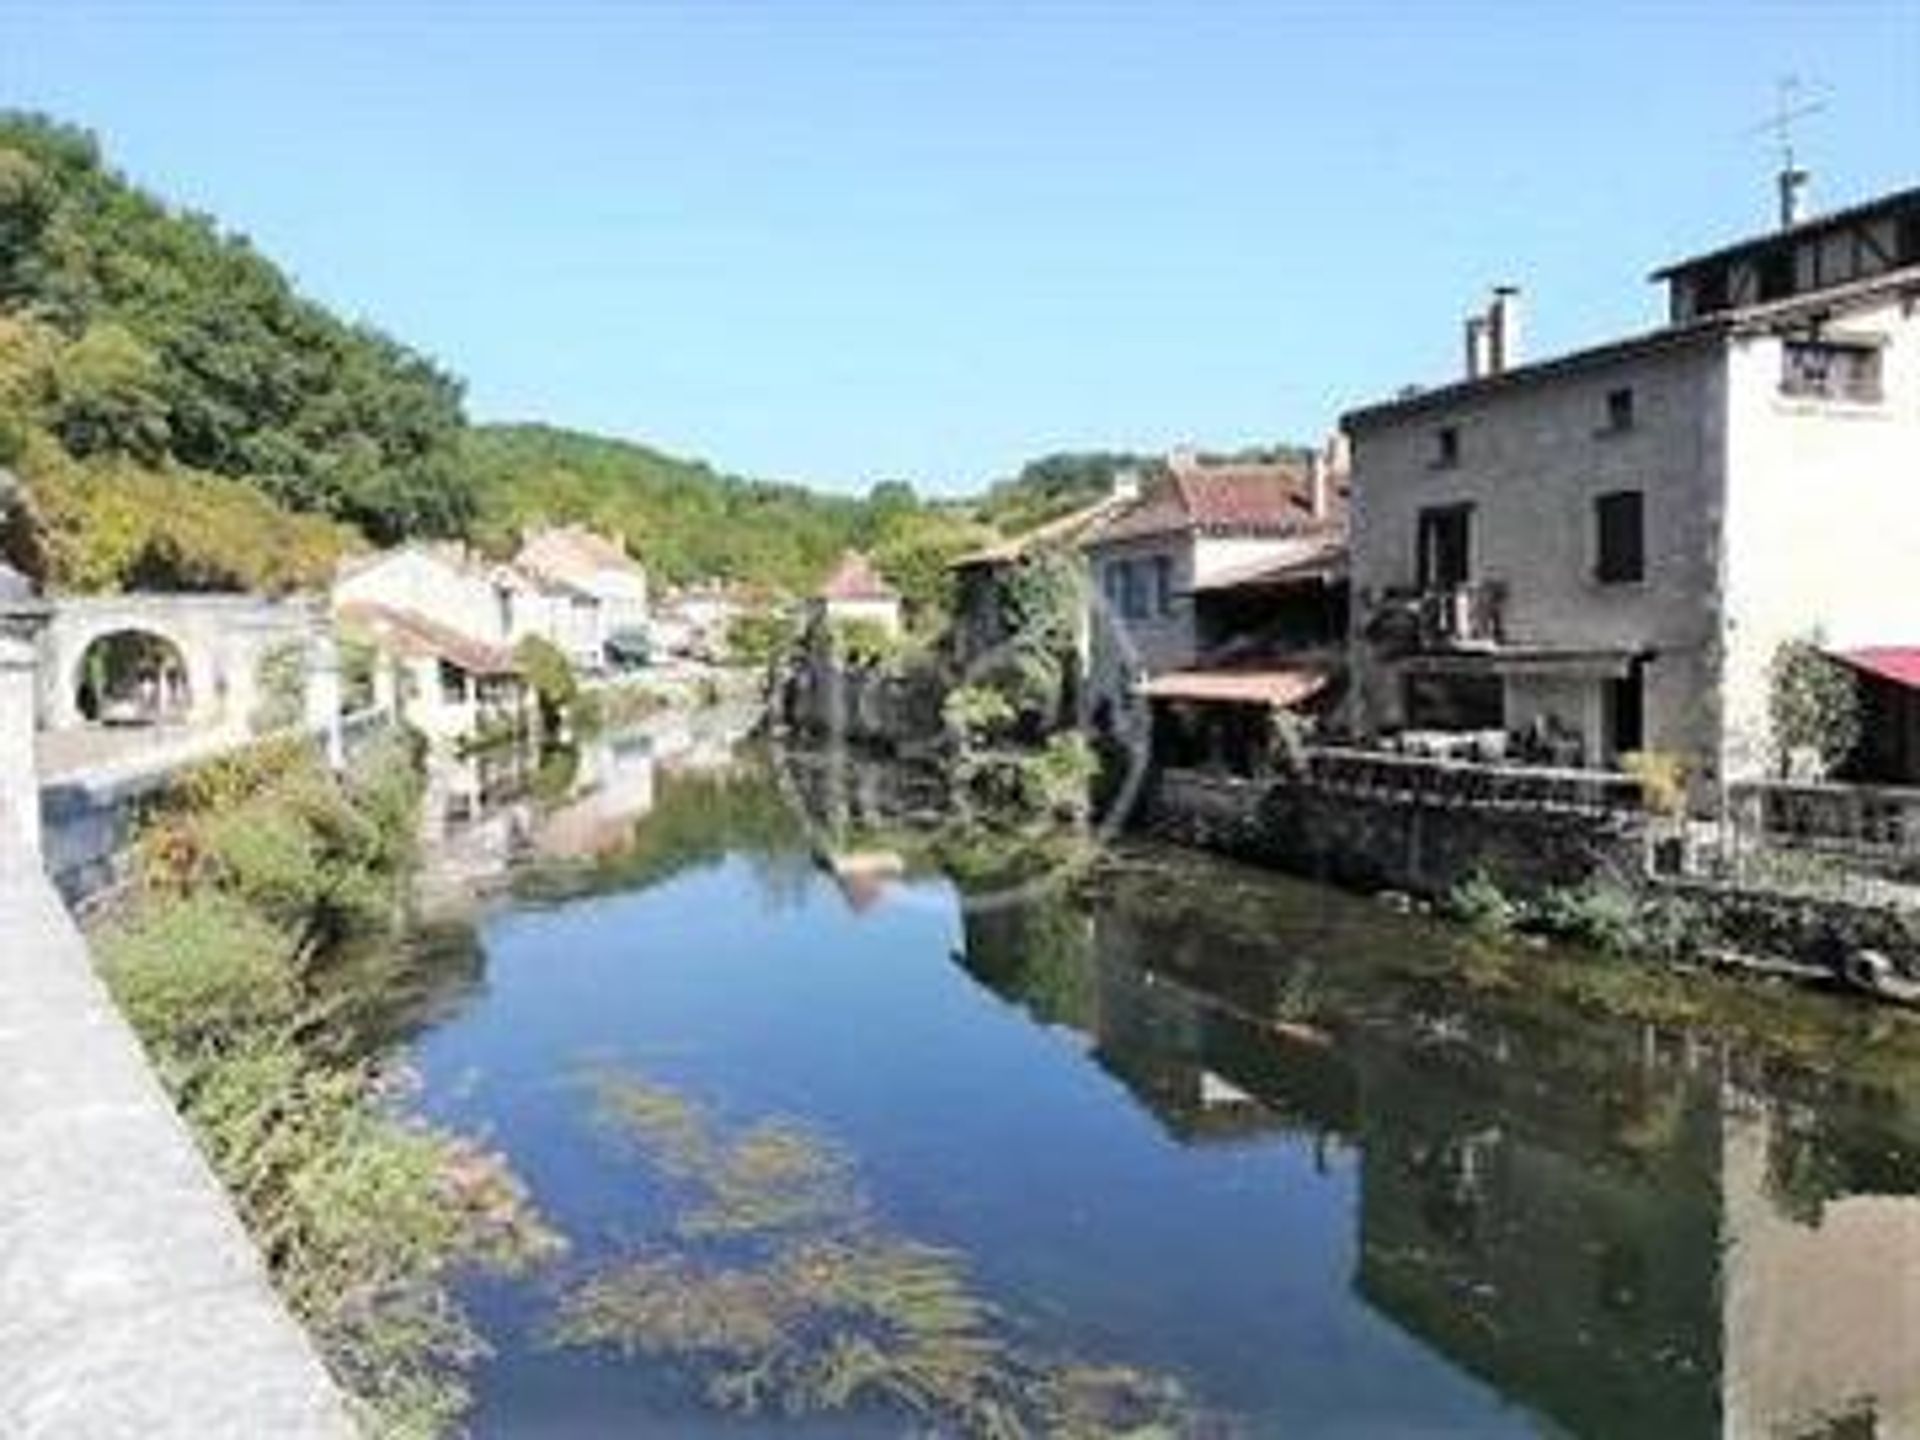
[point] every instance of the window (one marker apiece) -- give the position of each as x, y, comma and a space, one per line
1830, 370
1620, 523
453, 684
1446, 447
1620, 409
1446, 546
1126, 589
1162, 585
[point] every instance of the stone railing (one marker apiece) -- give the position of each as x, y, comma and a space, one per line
1460, 782
1872, 821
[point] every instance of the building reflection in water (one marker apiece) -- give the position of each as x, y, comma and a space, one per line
1627, 1231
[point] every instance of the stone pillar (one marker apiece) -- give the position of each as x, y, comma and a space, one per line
323, 694
22, 616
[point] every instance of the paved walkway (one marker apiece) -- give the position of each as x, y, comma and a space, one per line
107, 753
132, 1302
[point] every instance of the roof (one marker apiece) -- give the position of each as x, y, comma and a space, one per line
1897, 663
568, 550
1813, 225
1319, 556
1062, 530
1222, 499
1708, 329
408, 632
1280, 686
854, 578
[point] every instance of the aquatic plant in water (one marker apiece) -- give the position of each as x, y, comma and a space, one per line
773, 1277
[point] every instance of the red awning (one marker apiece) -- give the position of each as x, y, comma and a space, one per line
1281, 687
1897, 663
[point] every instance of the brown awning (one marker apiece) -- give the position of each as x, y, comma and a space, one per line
1281, 687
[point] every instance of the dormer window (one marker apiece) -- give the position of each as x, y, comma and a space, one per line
1830, 370
1446, 447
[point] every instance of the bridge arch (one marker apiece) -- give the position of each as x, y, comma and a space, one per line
219, 640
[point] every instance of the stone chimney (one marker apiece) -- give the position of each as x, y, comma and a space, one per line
1477, 348
1504, 349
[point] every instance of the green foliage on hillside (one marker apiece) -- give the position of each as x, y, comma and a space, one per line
687, 520
146, 353
1055, 484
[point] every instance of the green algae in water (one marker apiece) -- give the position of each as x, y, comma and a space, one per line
772, 1280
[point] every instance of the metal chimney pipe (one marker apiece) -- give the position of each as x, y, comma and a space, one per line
1793, 196
1503, 327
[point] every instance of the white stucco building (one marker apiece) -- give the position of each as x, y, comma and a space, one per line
1605, 550
608, 587
856, 593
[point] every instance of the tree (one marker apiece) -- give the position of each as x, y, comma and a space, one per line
550, 674
1814, 704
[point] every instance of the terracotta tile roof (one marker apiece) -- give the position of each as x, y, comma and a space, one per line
567, 552
410, 633
1235, 498
856, 579
1282, 686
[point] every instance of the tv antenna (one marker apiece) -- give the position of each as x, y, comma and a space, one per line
1790, 107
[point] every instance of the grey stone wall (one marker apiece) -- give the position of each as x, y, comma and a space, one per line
1424, 847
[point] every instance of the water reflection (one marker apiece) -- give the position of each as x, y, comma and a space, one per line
1630, 1232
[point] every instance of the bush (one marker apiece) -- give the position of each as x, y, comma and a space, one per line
1482, 906
1663, 781
976, 713
1603, 917
1814, 704
549, 673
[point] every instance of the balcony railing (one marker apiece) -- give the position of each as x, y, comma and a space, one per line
1453, 617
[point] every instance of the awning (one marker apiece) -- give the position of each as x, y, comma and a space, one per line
1281, 687
1899, 664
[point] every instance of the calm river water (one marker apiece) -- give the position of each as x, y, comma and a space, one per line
1314, 1168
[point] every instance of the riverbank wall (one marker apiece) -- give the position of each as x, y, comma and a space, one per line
1424, 830
1424, 844
132, 1301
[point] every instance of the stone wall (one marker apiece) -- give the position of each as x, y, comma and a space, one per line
1424, 846
1825, 932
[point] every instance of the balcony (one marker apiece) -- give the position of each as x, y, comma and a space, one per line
1444, 619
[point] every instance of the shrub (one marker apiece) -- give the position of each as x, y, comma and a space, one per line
547, 670
1814, 704
974, 713
1663, 781
1482, 906
1604, 917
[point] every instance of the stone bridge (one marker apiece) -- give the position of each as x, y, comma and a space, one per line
219, 642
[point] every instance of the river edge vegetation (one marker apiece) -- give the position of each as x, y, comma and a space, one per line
776, 1284
254, 942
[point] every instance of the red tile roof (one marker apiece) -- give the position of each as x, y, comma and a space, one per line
1279, 686
1898, 663
411, 633
1234, 498
856, 579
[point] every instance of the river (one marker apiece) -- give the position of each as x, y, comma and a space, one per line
1232, 1154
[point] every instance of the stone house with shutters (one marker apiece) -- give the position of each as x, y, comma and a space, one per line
1602, 552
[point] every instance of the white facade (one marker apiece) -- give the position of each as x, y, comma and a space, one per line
1765, 516
439, 582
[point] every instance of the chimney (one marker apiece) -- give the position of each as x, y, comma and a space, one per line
1476, 346
1503, 330
1793, 195
1126, 484
1319, 486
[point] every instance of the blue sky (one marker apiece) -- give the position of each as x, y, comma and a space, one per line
837, 242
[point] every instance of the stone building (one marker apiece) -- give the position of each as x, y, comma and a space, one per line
1602, 553
1220, 586
607, 587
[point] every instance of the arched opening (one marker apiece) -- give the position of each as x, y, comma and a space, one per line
133, 677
